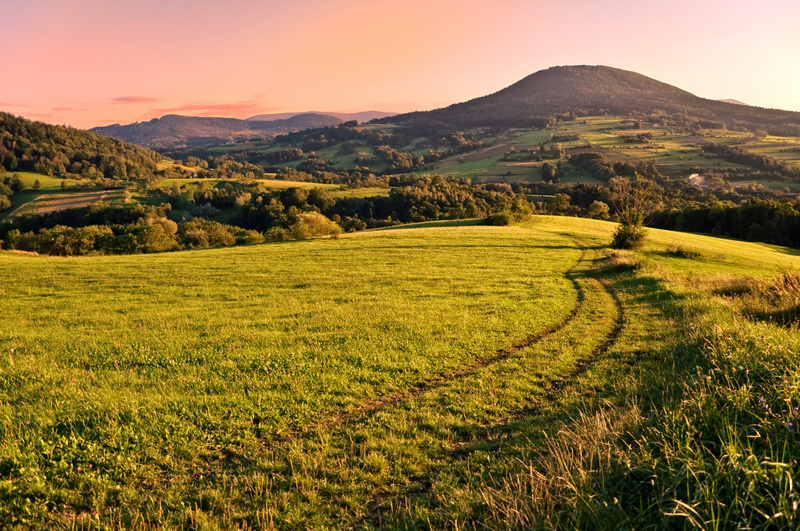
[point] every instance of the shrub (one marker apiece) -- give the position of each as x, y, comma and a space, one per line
313, 224
500, 218
628, 236
12, 239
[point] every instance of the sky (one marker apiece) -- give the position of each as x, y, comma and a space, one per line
87, 63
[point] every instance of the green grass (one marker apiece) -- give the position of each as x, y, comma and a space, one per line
46, 182
439, 376
369, 191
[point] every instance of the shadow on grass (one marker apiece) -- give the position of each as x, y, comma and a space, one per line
434, 224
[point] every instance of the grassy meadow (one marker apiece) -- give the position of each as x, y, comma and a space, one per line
444, 376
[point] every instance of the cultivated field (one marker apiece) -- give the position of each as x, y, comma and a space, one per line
46, 203
430, 377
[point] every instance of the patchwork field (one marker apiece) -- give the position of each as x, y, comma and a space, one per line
677, 152
439, 376
46, 203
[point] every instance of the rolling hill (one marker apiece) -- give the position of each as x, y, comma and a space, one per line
364, 116
173, 131
65, 152
540, 98
433, 377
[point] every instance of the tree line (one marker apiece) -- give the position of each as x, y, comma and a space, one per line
253, 214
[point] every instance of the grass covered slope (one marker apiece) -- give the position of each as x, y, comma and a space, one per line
447, 377
123, 374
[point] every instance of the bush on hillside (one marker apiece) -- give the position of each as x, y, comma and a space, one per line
628, 236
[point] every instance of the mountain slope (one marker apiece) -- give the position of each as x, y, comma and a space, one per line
592, 90
172, 130
26, 145
364, 116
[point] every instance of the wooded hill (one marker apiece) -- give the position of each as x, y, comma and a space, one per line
65, 152
173, 131
573, 91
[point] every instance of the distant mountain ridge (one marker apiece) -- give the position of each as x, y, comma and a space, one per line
364, 116
735, 102
172, 130
592, 90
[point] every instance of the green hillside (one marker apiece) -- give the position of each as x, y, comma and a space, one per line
518, 155
437, 377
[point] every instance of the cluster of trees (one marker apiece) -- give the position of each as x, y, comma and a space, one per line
283, 155
770, 221
641, 138
254, 214
761, 162
9, 185
152, 235
599, 167
411, 199
398, 161
121, 229
70, 153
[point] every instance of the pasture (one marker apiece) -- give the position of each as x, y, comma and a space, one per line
443, 376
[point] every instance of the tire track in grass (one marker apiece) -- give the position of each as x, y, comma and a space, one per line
555, 386
369, 408
558, 386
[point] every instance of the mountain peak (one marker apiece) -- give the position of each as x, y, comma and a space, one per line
586, 90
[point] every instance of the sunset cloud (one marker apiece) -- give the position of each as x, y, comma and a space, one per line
135, 99
4, 104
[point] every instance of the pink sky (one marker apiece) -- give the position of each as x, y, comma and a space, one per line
94, 62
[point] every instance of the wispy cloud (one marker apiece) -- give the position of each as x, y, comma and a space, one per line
63, 108
135, 99
4, 104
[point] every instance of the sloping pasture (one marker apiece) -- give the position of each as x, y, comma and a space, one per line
430, 377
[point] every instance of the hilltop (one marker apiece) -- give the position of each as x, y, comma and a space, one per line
172, 131
541, 98
364, 116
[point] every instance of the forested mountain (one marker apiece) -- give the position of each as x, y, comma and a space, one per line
547, 95
26, 145
364, 116
173, 131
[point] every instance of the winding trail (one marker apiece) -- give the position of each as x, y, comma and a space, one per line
371, 407
553, 387
425, 421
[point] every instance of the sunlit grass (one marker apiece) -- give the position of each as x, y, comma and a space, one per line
368, 382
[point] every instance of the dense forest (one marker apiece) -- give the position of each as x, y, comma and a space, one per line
70, 153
